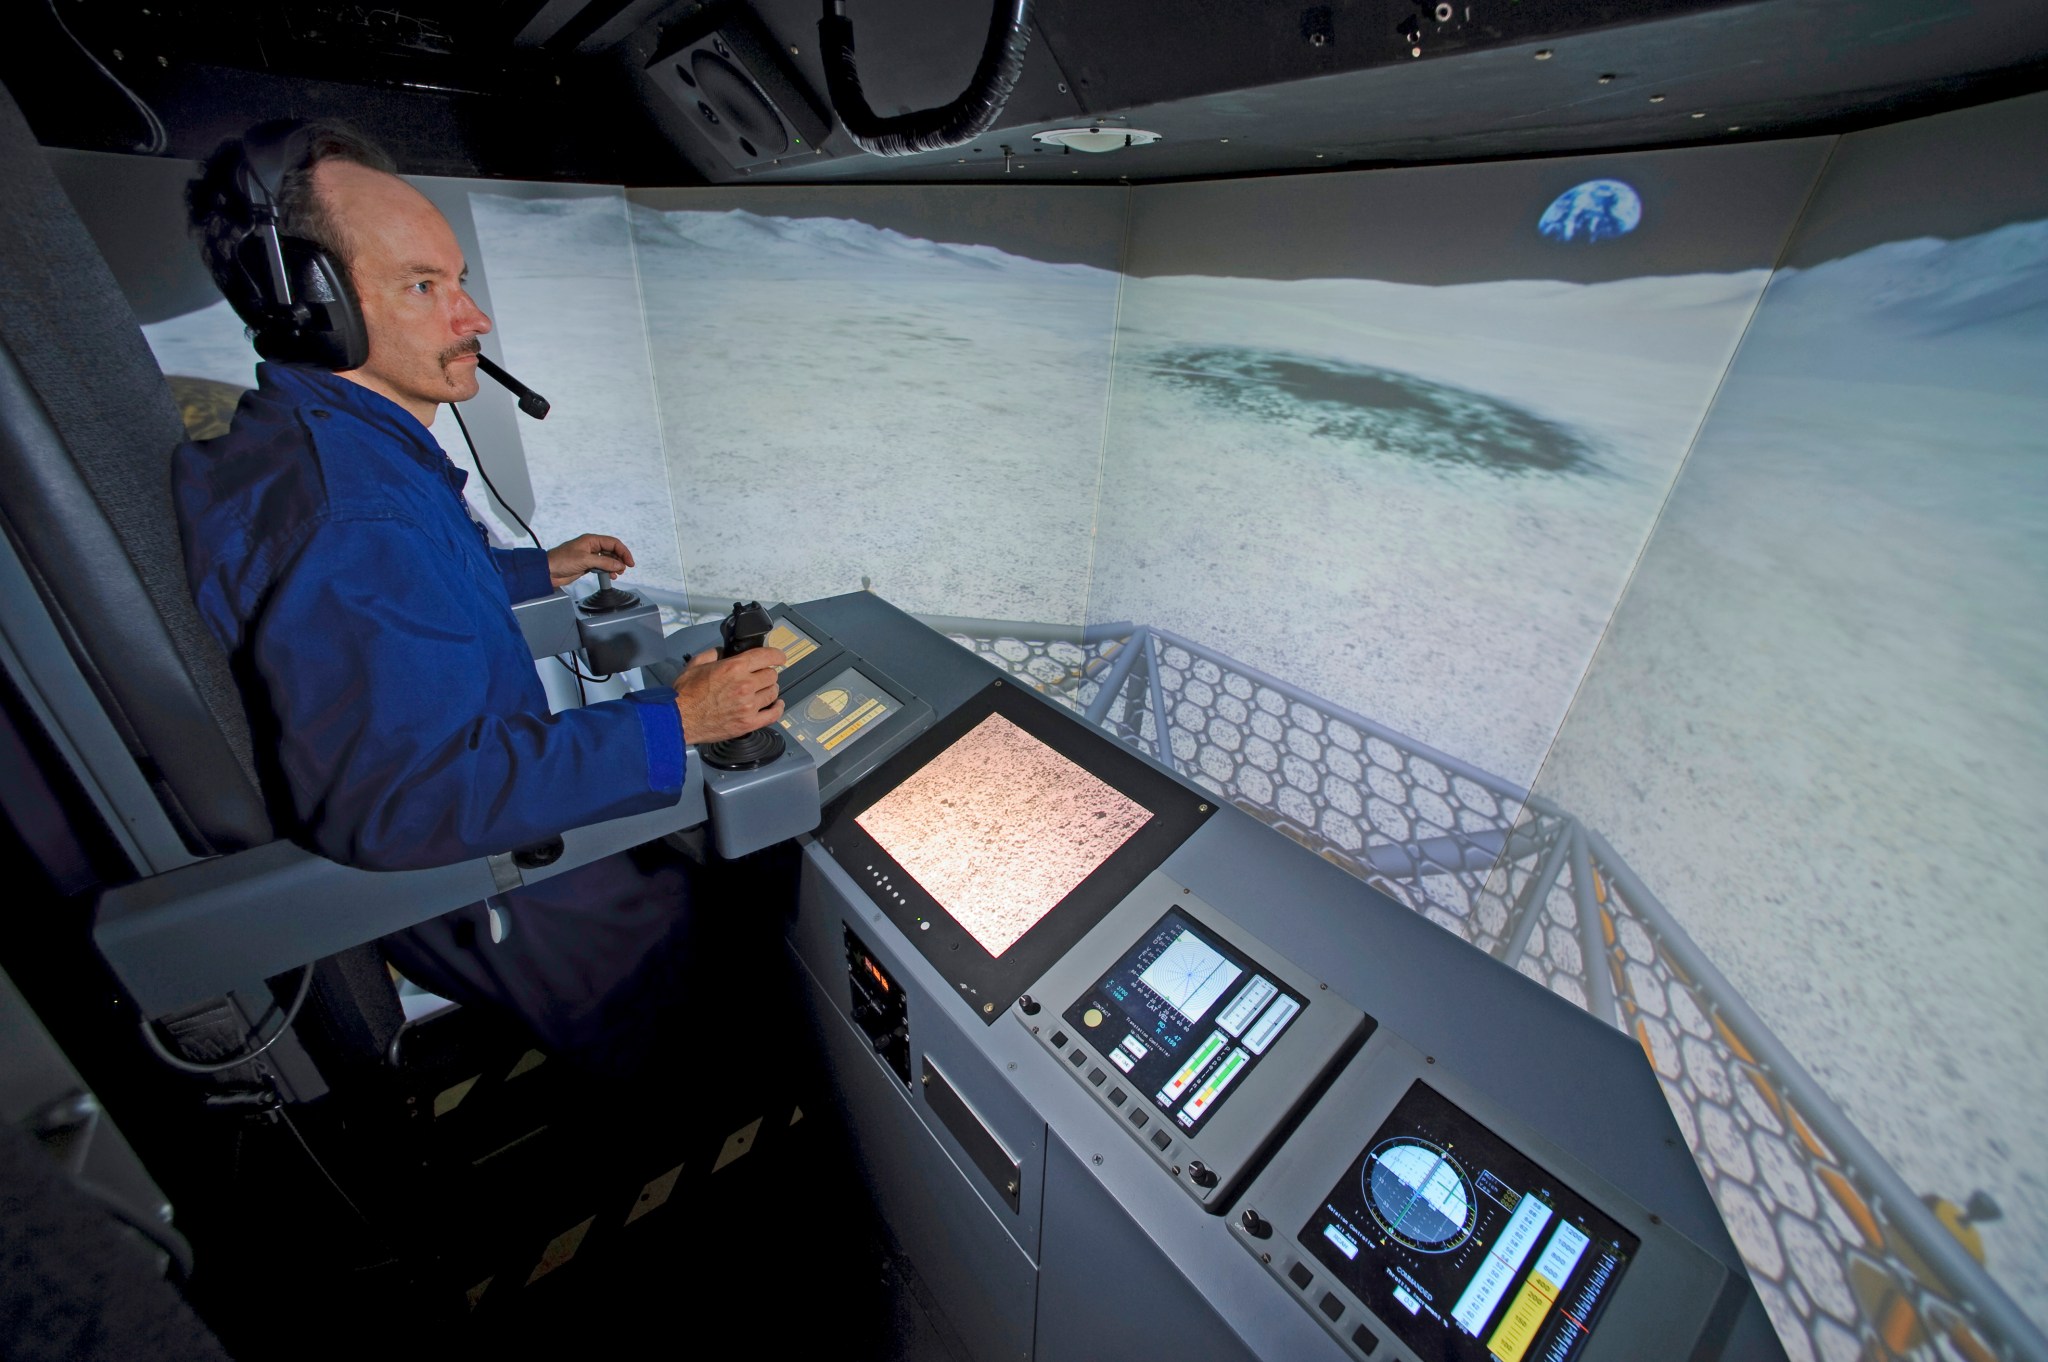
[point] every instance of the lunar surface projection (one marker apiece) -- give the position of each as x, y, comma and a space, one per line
998, 828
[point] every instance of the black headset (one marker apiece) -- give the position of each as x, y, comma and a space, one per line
304, 307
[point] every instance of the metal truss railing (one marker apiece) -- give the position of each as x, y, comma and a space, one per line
1851, 1264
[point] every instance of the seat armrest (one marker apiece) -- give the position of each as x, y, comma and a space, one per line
548, 624
179, 938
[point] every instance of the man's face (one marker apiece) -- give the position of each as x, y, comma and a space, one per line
409, 274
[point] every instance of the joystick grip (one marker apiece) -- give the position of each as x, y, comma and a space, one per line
745, 629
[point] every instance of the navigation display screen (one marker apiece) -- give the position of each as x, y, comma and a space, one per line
838, 714
999, 827
1466, 1249
1185, 1017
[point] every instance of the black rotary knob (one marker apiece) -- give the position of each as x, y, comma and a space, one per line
1029, 1004
1201, 1174
1256, 1225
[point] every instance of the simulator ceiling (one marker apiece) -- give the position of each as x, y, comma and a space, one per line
610, 90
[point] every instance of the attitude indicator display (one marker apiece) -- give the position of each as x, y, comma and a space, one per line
1465, 1248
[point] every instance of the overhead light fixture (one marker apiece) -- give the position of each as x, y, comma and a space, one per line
1095, 138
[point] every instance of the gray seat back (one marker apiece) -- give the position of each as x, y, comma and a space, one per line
87, 426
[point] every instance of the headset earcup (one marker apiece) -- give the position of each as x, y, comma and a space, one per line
335, 336
324, 325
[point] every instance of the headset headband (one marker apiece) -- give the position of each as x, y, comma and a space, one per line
269, 153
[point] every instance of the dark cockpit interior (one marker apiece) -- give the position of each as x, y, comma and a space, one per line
1411, 654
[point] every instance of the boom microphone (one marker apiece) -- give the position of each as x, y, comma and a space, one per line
530, 402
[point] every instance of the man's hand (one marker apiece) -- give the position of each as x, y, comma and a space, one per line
587, 553
722, 698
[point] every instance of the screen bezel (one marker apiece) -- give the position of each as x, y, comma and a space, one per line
1248, 966
1445, 1342
990, 984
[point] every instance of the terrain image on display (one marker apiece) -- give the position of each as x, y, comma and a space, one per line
999, 828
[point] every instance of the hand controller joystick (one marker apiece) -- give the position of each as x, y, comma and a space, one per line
607, 598
746, 628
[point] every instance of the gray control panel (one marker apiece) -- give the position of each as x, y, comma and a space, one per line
1417, 1218
1200, 1040
1432, 1157
842, 712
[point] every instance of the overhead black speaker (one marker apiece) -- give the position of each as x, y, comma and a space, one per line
739, 91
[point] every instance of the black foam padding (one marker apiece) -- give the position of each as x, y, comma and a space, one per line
355, 1014
87, 427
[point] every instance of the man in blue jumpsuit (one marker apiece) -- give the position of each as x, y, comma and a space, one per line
369, 624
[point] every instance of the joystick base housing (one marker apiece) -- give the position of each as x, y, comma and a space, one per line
760, 806
617, 640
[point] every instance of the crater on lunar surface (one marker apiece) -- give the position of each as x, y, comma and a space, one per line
1399, 413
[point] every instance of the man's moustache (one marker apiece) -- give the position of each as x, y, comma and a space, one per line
470, 348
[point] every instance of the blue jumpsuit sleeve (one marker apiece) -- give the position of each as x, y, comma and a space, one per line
388, 739
525, 573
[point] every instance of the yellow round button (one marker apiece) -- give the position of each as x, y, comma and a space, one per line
1092, 1017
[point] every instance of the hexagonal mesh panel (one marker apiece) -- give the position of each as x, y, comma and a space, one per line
1851, 1264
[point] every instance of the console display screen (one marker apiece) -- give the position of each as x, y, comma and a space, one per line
838, 714
1466, 1249
999, 827
796, 645
1185, 1017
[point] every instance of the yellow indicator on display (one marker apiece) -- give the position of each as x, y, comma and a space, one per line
793, 644
1176, 1085
851, 724
1525, 1316
1227, 1071
1531, 1305
1092, 1017
828, 704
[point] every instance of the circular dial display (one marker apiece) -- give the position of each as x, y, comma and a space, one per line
1419, 1195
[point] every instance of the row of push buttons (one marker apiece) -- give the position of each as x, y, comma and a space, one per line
1161, 1139
1363, 1338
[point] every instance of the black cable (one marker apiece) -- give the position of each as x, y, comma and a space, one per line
158, 139
478, 460
581, 675
581, 698
169, 1240
973, 112
291, 1125
222, 1066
